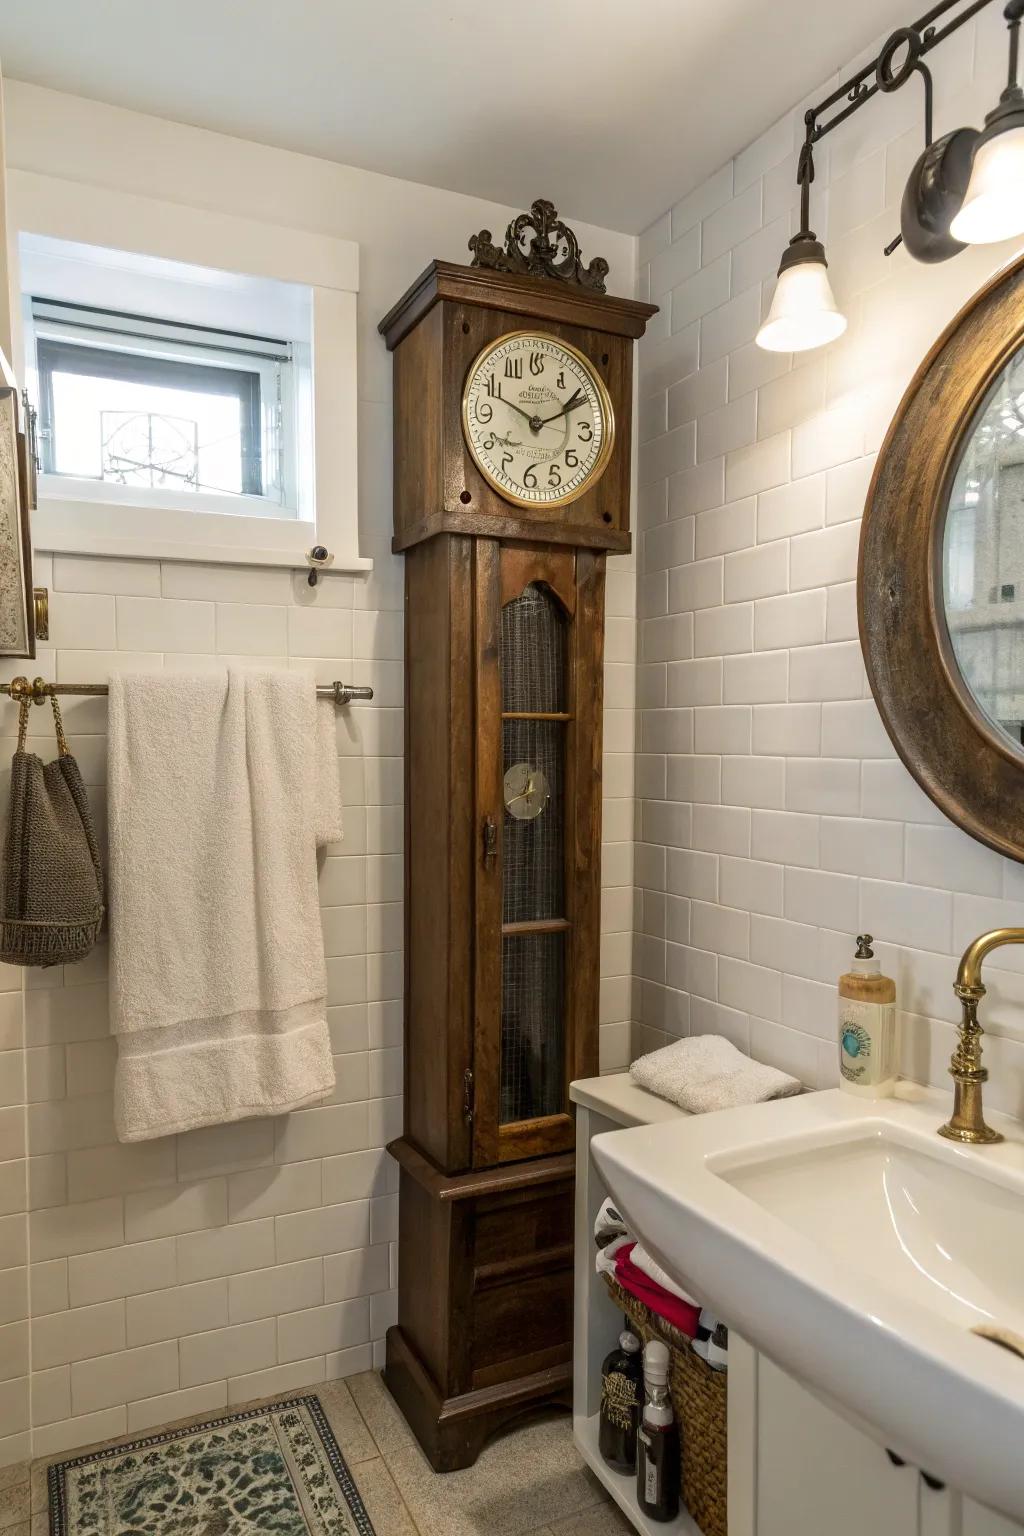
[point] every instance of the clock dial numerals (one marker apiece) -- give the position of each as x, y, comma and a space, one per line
537, 419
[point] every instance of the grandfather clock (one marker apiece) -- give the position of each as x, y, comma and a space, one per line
512, 428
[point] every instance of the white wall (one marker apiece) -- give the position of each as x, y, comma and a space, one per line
775, 818
150, 1281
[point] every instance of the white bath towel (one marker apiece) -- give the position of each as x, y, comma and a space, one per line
611, 1234
220, 789
707, 1072
608, 1224
604, 1261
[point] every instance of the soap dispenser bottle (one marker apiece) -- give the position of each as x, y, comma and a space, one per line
867, 1026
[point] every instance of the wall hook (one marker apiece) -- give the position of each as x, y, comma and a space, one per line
318, 557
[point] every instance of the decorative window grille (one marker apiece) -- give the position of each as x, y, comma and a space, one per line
133, 401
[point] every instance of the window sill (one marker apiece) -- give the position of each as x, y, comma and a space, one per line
229, 539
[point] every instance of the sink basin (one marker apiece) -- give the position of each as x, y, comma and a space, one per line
939, 1236
858, 1250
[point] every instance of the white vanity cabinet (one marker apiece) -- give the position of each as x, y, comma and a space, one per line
797, 1467
812, 1472
807, 1471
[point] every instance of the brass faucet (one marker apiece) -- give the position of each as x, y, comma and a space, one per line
967, 1122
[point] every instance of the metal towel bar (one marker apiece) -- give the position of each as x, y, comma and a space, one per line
38, 690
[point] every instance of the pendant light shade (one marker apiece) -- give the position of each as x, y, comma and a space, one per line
804, 313
993, 207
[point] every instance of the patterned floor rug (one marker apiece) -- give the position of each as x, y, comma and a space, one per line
271, 1471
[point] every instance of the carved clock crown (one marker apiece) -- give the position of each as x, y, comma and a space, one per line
444, 322
543, 256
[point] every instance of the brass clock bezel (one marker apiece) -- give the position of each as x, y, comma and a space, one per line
601, 390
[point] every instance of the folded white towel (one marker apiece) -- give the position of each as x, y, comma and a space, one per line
707, 1072
608, 1224
604, 1262
611, 1234
220, 789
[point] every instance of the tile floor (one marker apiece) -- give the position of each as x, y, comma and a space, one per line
528, 1482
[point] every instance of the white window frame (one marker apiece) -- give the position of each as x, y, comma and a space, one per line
328, 267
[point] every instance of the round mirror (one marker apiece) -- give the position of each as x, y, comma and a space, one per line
983, 557
940, 587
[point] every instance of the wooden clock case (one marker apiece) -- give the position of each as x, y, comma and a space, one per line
484, 1327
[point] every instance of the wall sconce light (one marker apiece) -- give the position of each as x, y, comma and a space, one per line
993, 206
966, 188
804, 313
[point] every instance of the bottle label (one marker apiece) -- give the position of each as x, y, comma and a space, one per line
620, 1399
867, 1041
649, 1472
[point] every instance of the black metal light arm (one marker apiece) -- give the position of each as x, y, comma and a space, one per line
939, 179
919, 38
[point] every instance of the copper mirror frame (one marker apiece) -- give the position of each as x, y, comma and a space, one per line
948, 744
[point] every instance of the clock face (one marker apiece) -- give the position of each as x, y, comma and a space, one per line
526, 791
537, 419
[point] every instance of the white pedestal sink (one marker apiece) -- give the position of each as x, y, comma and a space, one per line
857, 1249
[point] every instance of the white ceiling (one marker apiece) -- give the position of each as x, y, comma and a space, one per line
612, 108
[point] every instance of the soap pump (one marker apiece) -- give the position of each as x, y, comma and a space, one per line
867, 1026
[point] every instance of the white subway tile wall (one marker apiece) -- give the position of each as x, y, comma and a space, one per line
181, 1274
793, 825
140, 1283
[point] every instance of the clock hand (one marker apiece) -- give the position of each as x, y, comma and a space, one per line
536, 422
523, 795
570, 405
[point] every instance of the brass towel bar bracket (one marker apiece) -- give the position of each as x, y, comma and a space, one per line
38, 690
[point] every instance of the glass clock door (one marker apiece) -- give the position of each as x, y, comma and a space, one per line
534, 924
529, 733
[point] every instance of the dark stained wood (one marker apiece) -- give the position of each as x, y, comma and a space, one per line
535, 714
426, 1276
522, 564
530, 297
485, 1299
485, 1208
489, 808
537, 1138
454, 1430
510, 525
584, 749
436, 483
439, 757
417, 446
481, 1181
540, 925
959, 760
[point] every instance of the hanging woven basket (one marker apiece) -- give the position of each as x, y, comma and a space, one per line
52, 892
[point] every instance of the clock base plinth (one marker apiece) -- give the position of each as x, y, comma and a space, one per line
453, 1431
485, 1288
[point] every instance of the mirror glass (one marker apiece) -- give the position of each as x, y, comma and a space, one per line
983, 557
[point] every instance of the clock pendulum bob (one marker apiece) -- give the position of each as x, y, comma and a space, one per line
512, 445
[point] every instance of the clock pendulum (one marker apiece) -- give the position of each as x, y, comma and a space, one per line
511, 487
526, 791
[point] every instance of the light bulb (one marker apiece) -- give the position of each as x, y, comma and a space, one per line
803, 313
993, 206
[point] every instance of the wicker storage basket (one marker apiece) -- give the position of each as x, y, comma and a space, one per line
699, 1399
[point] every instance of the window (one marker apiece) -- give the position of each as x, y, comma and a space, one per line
136, 402
195, 379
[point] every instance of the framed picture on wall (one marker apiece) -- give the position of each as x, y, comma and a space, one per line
17, 476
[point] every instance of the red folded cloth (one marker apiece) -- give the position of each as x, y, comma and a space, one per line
679, 1313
